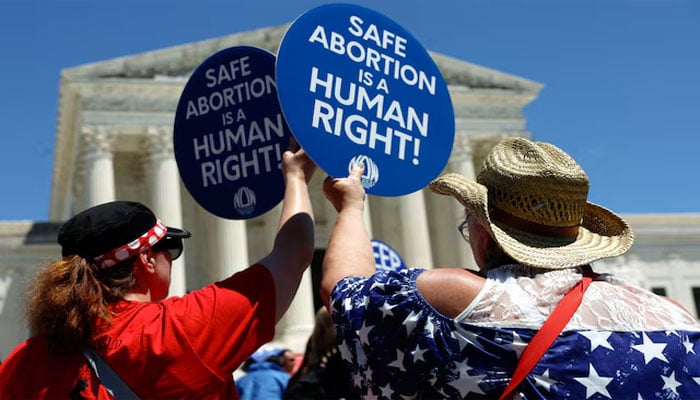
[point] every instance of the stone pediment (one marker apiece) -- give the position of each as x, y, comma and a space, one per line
461, 73
176, 61
179, 62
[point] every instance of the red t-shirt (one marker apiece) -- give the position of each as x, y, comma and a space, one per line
181, 347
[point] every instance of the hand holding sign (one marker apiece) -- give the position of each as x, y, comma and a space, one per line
356, 88
230, 134
296, 161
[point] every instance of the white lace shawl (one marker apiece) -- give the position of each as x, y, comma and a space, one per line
518, 296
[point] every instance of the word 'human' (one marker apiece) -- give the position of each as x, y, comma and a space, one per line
356, 127
210, 147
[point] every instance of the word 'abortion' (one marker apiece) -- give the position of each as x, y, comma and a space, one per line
231, 164
373, 59
355, 126
231, 95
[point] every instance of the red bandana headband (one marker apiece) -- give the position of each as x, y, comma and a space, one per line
138, 246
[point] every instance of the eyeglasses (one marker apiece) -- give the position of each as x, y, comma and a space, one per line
463, 229
173, 246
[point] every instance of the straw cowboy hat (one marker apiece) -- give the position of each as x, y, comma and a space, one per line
532, 197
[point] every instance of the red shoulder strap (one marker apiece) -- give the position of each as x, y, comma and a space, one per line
549, 331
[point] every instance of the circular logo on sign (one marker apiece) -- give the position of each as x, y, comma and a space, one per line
230, 134
244, 201
352, 81
371, 174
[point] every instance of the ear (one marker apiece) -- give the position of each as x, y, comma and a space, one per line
480, 240
484, 235
147, 261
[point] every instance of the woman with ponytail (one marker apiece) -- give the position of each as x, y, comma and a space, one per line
67, 296
104, 327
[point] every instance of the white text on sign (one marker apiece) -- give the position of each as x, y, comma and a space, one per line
240, 164
372, 58
357, 128
220, 155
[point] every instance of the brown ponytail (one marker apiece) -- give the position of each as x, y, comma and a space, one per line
67, 298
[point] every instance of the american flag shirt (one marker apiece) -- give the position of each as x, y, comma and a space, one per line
398, 347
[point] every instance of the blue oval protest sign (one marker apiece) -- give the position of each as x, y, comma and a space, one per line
355, 87
230, 133
386, 258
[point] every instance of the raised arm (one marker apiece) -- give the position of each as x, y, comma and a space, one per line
294, 243
349, 251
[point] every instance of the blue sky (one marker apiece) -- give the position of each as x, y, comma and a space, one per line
621, 94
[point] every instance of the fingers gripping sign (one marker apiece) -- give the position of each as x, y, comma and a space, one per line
347, 192
357, 172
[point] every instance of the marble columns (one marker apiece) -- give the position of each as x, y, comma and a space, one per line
414, 230
462, 163
231, 250
99, 168
164, 190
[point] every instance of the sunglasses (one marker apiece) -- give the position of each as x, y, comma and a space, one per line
172, 245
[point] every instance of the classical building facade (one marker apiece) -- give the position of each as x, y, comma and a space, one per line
114, 141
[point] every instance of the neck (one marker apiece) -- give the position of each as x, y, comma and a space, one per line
139, 293
138, 297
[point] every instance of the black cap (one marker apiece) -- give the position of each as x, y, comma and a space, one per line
105, 227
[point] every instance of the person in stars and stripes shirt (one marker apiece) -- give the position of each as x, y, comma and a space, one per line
459, 334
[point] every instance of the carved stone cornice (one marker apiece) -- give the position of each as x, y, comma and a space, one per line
181, 60
462, 73
178, 60
679, 229
129, 97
